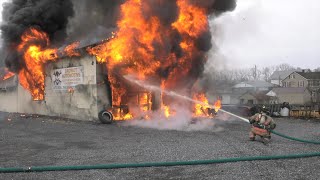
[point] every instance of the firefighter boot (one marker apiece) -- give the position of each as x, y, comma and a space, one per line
265, 140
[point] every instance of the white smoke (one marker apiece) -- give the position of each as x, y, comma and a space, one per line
182, 119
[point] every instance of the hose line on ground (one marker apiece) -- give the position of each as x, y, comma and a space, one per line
174, 163
154, 164
295, 139
274, 132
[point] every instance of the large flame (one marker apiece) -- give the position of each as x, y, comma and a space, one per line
201, 109
133, 46
32, 46
142, 46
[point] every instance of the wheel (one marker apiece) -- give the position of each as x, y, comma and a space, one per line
105, 117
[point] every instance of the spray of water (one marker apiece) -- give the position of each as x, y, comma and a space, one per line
145, 85
181, 120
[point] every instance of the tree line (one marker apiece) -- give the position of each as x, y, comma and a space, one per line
246, 74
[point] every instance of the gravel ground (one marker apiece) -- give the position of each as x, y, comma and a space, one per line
42, 141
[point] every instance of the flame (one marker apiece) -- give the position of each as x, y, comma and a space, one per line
133, 48
70, 50
32, 46
119, 114
141, 46
217, 105
192, 20
145, 101
201, 109
166, 111
8, 74
133, 44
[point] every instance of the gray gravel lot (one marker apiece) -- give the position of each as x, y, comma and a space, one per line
43, 141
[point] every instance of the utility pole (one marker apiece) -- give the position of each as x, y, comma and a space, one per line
255, 72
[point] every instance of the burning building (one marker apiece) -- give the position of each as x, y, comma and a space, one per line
161, 43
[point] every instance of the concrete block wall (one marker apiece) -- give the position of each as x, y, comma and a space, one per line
81, 104
9, 99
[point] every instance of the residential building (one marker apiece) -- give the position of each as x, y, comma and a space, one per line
250, 98
307, 79
292, 95
255, 85
278, 76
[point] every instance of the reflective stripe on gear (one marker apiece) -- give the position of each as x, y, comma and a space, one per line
259, 131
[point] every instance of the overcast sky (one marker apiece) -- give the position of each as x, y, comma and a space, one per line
269, 32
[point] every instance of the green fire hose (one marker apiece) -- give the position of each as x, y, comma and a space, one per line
172, 163
295, 139
154, 164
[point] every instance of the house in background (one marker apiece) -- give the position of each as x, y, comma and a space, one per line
247, 92
250, 98
253, 86
292, 95
306, 79
228, 96
278, 76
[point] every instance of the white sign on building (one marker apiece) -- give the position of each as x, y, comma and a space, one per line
64, 78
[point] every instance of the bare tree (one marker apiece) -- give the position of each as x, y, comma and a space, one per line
284, 67
317, 69
243, 74
266, 73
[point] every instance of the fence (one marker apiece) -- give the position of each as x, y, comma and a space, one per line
305, 111
297, 110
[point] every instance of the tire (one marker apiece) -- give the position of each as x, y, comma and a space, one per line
105, 117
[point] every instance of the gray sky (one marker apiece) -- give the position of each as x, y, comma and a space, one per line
268, 32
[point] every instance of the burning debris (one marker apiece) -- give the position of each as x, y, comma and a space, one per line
164, 42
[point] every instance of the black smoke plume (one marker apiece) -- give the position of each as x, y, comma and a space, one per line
50, 16
94, 20
215, 6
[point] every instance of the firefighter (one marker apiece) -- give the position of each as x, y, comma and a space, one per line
261, 125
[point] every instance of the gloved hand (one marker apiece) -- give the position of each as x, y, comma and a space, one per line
262, 126
268, 128
251, 121
272, 126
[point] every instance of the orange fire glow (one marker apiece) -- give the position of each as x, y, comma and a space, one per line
8, 74
217, 105
131, 51
32, 46
201, 109
70, 50
192, 20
